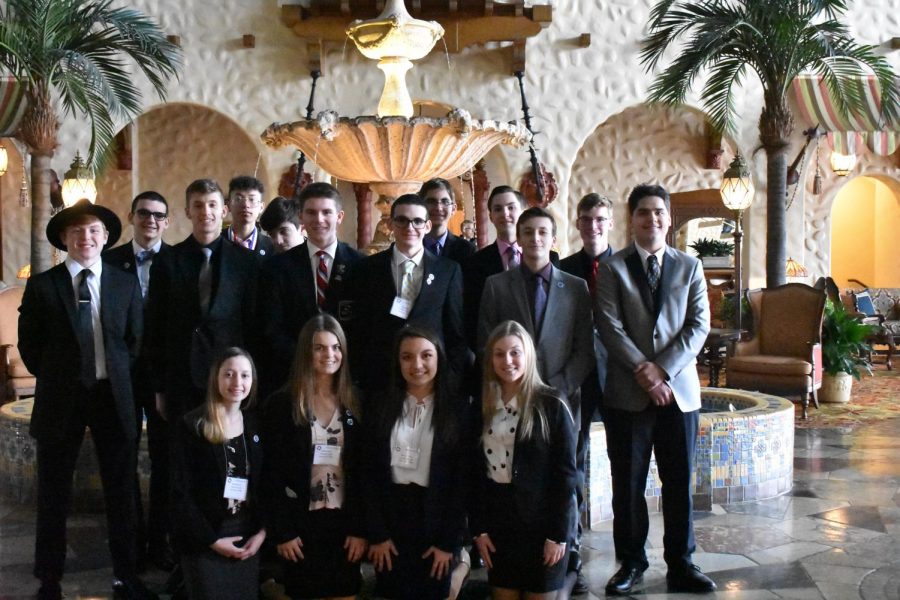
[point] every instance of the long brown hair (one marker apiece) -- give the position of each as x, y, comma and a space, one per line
212, 423
531, 386
301, 384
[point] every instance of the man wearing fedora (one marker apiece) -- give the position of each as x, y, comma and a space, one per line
79, 328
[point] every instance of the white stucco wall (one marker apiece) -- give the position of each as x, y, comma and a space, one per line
572, 91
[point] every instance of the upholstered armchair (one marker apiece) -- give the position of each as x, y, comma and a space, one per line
15, 380
784, 356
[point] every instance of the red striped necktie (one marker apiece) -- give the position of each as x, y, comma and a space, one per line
321, 279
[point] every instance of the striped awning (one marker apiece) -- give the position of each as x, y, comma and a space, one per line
12, 105
848, 133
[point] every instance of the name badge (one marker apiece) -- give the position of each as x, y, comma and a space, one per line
326, 454
401, 307
236, 488
405, 458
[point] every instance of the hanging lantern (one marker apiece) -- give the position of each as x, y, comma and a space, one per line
737, 186
78, 183
842, 164
23, 190
795, 270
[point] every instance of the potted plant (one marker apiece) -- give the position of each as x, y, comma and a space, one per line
844, 348
714, 253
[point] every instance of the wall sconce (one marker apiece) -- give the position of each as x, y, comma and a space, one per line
78, 183
4, 160
795, 270
737, 195
842, 164
24, 272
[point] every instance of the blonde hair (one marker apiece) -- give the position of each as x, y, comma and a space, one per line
531, 386
212, 422
301, 384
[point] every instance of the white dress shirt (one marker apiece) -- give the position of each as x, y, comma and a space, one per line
413, 435
645, 254
143, 271
330, 251
75, 270
397, 261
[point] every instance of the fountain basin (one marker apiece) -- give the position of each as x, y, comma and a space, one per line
394, 155
745, 452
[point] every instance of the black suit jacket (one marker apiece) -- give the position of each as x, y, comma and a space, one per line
199, 482
49, 346
287, 300
543, 479
438, 308
457, 249
181, 341
476, 270
445, 499
288, 469
579, 265
265, 247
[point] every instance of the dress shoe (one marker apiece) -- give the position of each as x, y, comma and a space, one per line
132, 589
690, 580
624, 580
581, 586
50, 590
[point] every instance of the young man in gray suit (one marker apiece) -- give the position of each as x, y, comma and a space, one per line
653, 316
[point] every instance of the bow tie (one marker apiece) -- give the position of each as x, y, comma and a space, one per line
143, 256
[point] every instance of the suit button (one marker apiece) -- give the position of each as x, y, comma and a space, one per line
656, 335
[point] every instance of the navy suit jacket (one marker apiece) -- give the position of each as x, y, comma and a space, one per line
457, 249
438, 307
49, 346
182, 341
287, 300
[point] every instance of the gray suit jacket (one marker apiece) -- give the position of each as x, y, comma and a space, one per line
633, 332
565, 346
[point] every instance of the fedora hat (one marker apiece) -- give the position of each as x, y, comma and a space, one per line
67, 216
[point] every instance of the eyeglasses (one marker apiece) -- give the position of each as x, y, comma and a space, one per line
146, 214
445, 202
404, 222
247, 200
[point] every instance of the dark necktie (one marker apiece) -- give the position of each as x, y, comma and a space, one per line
592, 278
540, 302
143, 256
321, 279
653, 272
86, 331
512, 260
204, 281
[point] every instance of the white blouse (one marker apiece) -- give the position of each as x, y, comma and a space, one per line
499, 440
411, 442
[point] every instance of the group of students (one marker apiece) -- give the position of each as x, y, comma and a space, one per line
398, 411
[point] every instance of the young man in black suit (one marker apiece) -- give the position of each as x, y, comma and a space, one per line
202, 299
304, 281
245, 203
594, 222
80, 325
149, 218
404, 284
281, 221
441, 202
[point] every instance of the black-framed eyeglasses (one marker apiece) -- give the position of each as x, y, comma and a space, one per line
404, 222
146, 214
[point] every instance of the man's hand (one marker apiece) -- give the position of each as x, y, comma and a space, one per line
161, 405
662, 395
649, 375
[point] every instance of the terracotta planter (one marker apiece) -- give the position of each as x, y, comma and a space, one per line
836, 388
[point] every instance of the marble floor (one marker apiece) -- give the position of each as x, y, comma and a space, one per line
836, 536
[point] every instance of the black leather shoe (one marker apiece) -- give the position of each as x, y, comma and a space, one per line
691, 580
132, 589
50, 590
624, 580
581, 586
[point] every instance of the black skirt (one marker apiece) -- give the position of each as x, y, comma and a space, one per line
410, 578
324, 571
519, 557
211, 576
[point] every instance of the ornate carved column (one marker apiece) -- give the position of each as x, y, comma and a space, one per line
363, 214
481, 187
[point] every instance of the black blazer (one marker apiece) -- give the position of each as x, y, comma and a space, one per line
265, 247
199, 480
457, 249
287, 300
579, 265
476, 270
49, 346
181, 341
447, 483
544, 474
288, 468
438, 308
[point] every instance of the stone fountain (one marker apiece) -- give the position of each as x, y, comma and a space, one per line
394, 152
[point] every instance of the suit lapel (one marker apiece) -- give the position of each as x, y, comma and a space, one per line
633, 262
554, 298
307, 291
67, 294
520, 294
429, 275
665, 280
494, 262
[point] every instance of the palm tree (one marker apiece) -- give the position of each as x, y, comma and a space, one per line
74, 54
776, 40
